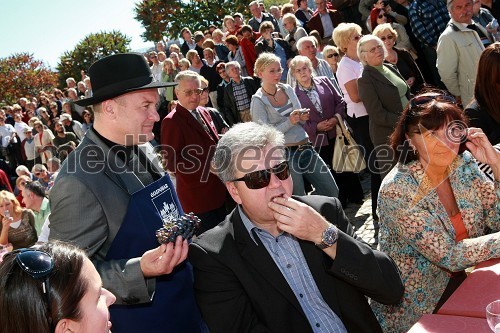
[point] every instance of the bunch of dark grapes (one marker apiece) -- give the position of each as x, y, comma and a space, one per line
184, 226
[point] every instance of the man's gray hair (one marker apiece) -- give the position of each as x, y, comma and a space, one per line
187, 75
232, 64
301, 41
241, 138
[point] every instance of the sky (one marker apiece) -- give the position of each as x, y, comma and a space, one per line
49, 28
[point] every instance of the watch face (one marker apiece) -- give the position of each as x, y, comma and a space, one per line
330, 235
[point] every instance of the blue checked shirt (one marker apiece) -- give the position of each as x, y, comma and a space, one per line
241, 96
286, 253
428, 19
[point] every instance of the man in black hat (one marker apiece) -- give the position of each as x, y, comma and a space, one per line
111, 196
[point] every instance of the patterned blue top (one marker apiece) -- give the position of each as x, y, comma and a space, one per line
417, 233
286, 253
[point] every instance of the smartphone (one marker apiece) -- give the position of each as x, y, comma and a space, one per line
303, 111
6, 213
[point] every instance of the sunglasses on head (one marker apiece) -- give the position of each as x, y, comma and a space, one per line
332, 55
39, 265
261, 178
424, 99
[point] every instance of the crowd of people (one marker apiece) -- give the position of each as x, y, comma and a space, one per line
238, 124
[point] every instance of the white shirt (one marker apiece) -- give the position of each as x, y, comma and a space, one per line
349, 70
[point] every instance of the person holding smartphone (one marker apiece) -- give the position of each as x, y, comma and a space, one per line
18, 223
323, 102
276, 104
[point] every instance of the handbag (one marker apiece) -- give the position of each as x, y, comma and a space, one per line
347, 155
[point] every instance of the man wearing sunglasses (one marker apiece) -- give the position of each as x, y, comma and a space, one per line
112, 195
280, 263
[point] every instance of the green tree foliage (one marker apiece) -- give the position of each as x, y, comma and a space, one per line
21, 75
92, 48
167, 17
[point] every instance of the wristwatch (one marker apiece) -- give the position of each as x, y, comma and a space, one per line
329, 237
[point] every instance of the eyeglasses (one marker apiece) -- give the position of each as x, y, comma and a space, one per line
374, 49
204, 90
190, 93
332, 55
261, 178
382, 15
390, 37
358, 37
39, 265
424, 99
38, 173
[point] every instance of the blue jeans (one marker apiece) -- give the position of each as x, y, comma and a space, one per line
307, 163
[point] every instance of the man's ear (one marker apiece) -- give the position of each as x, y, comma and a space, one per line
233, 191
66, 326
108, 108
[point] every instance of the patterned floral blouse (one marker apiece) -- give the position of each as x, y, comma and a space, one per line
417, 233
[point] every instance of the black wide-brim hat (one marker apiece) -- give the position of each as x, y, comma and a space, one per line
119, 74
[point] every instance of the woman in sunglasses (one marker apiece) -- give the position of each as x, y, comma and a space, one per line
54, 288
332, 57
276, 104
18, 224
384, 93
436, 206
400, 57
346, 36
379, 16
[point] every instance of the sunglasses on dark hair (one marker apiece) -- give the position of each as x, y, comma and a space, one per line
424, 99
39, 265
332, 55
261, 178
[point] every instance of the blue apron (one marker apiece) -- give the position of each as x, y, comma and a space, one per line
173, 308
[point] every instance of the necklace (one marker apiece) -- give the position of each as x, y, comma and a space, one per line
272, 95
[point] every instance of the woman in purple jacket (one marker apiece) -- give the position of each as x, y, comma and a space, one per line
320, 96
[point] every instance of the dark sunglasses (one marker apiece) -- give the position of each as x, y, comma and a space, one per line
39, 265
424, 99
261, 178
205, 90
332, 55
358, 37
390, 37
382, 15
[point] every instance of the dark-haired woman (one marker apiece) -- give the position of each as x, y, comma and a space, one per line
436, 207
74, 302
484, 110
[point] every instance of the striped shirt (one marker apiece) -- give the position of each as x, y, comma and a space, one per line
286, 253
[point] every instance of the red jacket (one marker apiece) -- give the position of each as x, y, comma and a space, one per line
248, 49
189, 151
